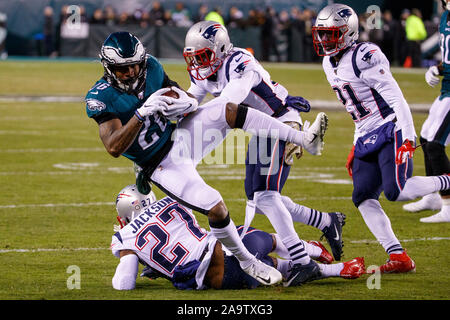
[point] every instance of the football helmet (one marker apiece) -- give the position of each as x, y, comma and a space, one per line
122, 49
129, 203
336, 28
445, 5
206, 45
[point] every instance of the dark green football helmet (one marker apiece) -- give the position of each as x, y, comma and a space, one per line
123, 49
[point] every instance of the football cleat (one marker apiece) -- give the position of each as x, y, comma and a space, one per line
353, 269
265, 274
431, 201
302, 273
325, 257
441, 216
397, 263
333, 234
313, 142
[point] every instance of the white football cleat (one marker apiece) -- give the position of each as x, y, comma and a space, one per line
441, 216
265, 274
431, 201
313, 142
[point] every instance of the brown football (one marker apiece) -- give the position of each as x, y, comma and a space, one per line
171, 93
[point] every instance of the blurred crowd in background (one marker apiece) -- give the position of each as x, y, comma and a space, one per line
399, 37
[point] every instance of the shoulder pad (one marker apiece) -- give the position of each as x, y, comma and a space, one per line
239, 62
153, 63
368, 54
365, 56
98, 97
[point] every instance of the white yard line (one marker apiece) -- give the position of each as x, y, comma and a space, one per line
54, 205
98, 249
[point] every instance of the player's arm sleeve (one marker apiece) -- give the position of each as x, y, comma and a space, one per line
376, 73
197, 92
238, 88
167, 82
126, 273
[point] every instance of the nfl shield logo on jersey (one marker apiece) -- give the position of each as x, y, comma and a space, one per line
372, 139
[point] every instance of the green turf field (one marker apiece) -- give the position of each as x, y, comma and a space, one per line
58, 187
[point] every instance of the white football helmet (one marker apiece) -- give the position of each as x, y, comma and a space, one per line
129, 203
206, 45
336, 28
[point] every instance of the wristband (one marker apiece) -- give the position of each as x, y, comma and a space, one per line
138, 115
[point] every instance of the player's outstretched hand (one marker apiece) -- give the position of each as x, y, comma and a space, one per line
431, 76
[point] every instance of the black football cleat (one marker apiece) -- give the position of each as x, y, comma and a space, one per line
333, 234
302, 273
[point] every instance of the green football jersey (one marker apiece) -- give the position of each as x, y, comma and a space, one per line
444, 30
105, 100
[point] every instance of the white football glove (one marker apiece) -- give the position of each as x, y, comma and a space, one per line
155, 103
431, 76
179, 107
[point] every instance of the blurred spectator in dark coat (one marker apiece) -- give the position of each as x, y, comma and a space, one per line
235, 18
157, 14
269, 35
97, 17
49, 32
201, 13
110, 16
391, 34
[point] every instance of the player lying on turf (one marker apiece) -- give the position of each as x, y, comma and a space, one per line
384, 139
165, 237
233, 74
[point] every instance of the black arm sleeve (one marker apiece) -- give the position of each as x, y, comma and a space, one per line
169, 83
103, 117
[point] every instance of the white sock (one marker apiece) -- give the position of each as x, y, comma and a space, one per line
445, 205
229, 237
264, 125
280, 249
284, 266
270, 203
305, 215
417, 186
312, 251
379, 224
331, 270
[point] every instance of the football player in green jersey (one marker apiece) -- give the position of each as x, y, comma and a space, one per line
134, 121
434, 135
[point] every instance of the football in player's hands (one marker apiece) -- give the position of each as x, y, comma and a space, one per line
172, 93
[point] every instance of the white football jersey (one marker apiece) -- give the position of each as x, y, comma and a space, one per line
242, 80
164, 235
364, 84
